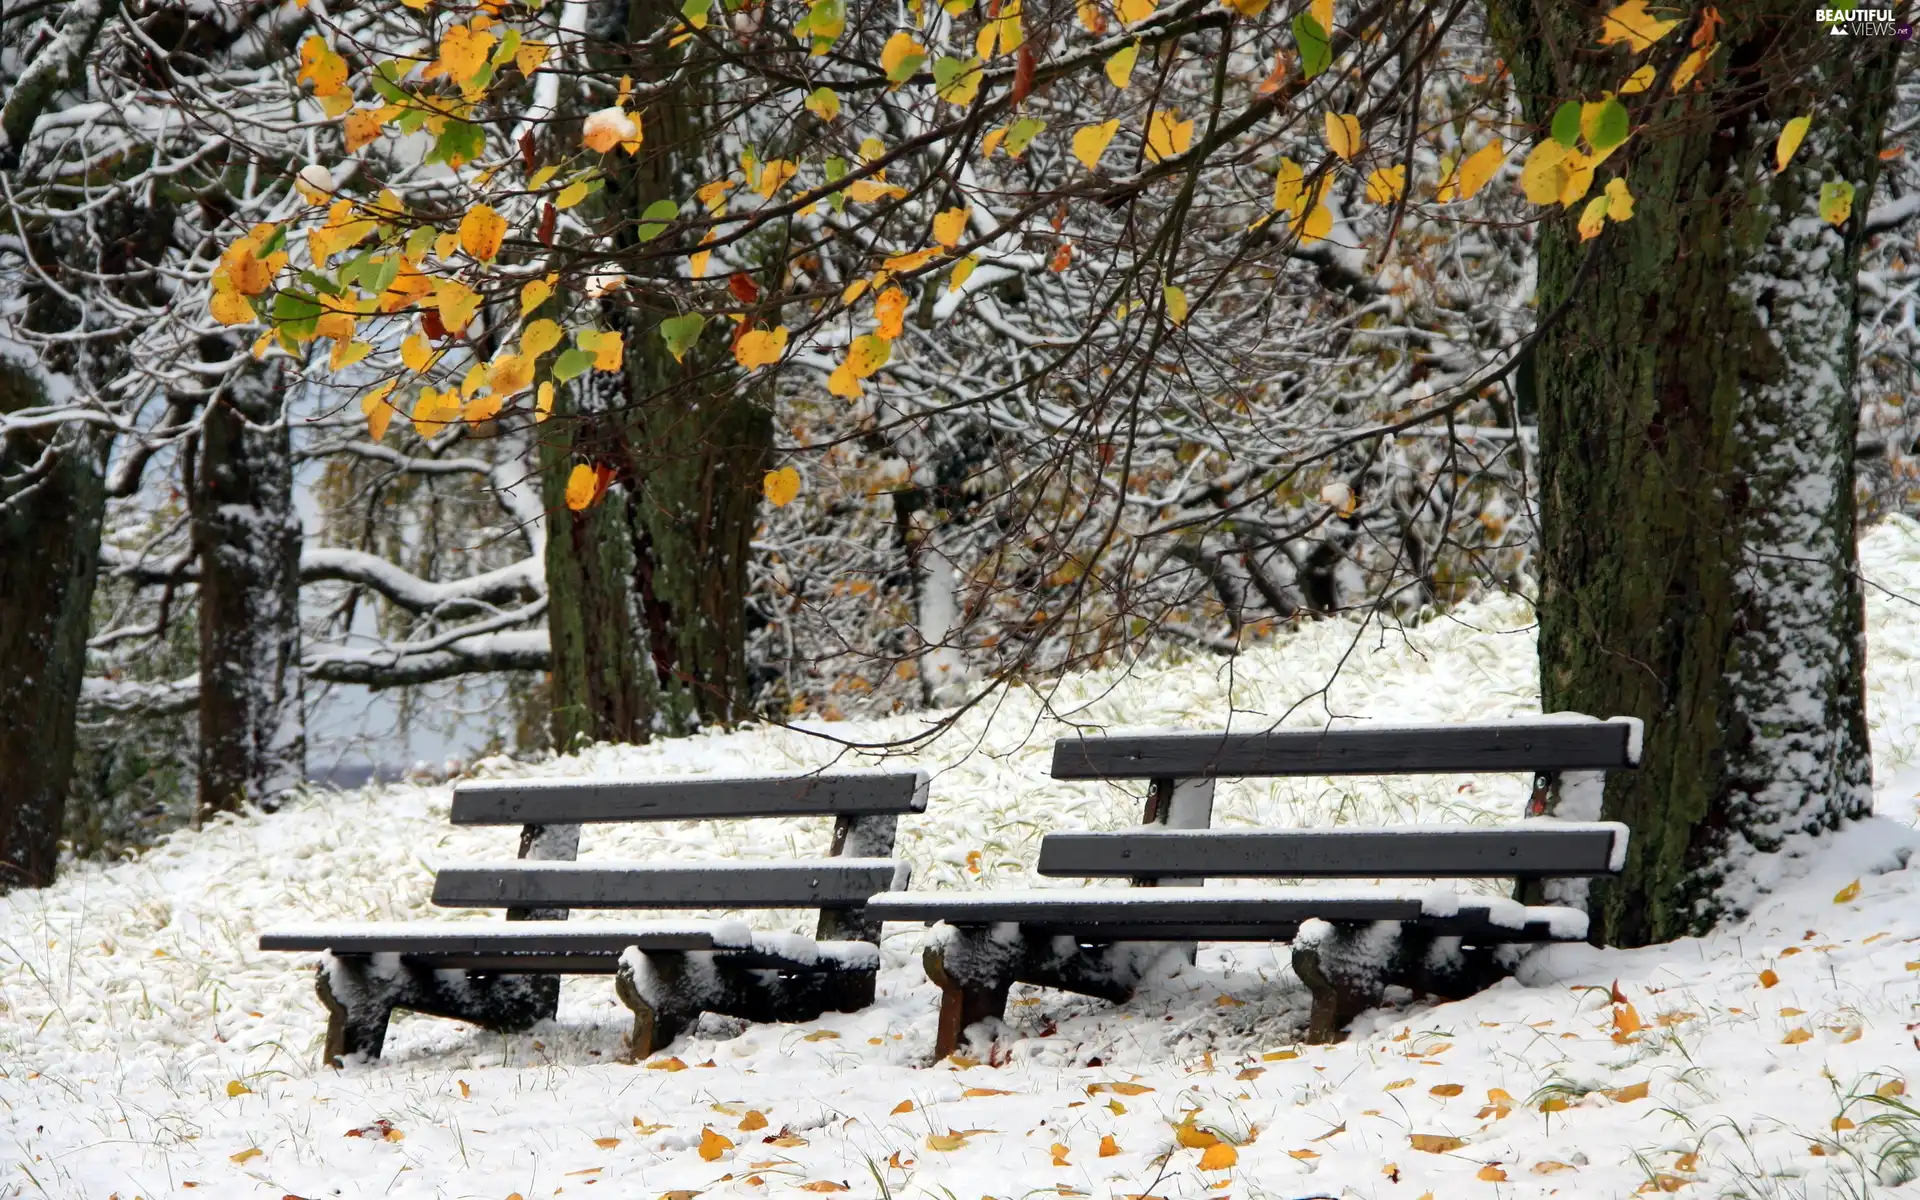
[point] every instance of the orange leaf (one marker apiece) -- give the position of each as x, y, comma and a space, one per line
1109, 1147
1219, 1157
713, 1145
823, 1185
1768, 978
1445, 1089
1628, 1094
780, 487
1059, 1152
1492, 1173
755, 1119
1435, 1143
606, 1143
666, 1064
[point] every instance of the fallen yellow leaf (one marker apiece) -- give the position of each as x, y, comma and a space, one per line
1108, 1147
1220, 1157
1628, 1094
251, 1152
1847, 893
606, 1143
1435, 1143
1445, 1089
1797, 1036
1492, 1173
1550, 1167
713, 1145
818, 1035
945, 1141
755, 1119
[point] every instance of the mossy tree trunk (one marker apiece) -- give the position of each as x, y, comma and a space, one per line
1696, 410
247, 539
53, 496
654, 576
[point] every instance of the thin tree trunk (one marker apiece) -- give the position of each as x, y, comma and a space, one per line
252, 726
1696, 409
52, 499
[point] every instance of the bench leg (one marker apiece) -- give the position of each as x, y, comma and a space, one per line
1347, 968
975, 968
668, 991
360, 995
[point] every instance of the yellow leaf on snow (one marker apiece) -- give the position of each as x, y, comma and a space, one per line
1343, 134
1397, 1084
1798, 1036
1633, 24
1628, 1094
1193, 1137
985, 1091
945, 1142
1059, 1153
755, 1119
821, 1035
760, 347
1167, 135
1108, 1147
1492, 1173
1435, 1143
1445, 1089
1123, 1089
905, 1106
1551, 1167
606, 1143
781, 486
1847, 893
823, 1185
713, 1145
1219, 1157
1791, 135
1090, 142
1769, 978
251, 1152
666, 1064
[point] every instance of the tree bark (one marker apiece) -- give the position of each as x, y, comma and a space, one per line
252, 727
687, 446
52, 499
1696, 409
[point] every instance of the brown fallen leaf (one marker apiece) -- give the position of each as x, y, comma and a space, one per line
1445, 1089
1628, 1094
1888, 1091
606, 1143
897, 1163
1192, 1136
905, 1106
1663, 1182
1226, 1001
1492, 1173
1435, 1143
755, 1119
1251, 1073
666, 1064
1686, 1162
785, 1140
1108, 1147
986, 1091
1397, 1084
466, 1093
823, 1185
1304, 1155
1551, 1166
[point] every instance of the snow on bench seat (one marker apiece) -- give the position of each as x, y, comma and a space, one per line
1236, 914
788, 883
1538, 849
446, 937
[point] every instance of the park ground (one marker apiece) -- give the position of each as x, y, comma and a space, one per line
147, 1049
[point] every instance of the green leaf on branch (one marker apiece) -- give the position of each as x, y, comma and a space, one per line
1316, 49
571, 364
1606, 127
296, 314
695, 11
653, 221
1566, 124
1022, 134
460, 142
386, 80
681, 332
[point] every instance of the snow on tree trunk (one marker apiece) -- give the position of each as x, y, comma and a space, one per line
1696, 432
52, 498
247, 537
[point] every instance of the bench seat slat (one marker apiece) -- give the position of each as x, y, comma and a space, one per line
585, 801
822, 883
1260, 913
449, 937
1372, 750
1533, 850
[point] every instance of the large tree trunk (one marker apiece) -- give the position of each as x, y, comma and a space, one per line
687, 446
52, 498
603, 687
1697, 421
247, 536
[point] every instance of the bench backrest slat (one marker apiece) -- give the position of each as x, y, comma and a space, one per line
1410, 750
832, 883
574, 802
1527, 852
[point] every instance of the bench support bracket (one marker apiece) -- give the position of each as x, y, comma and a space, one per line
668, 991
360, 995
1348, 968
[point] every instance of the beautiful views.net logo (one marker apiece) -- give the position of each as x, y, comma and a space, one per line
1863, 22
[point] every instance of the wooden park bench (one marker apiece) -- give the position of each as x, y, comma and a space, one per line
505, 975
1101, 942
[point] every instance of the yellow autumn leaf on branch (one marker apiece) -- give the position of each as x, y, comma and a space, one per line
543, 403
529, 56
1592, 218
362, 126
1545, 173
610, 127
890, 311
582, 482
760, 347
901, 57
1314, 225
417, 352
1478, 168
377, 410
1120, 66
1322, 11
433, 411
539, 337
346, 353
1343, 134
534, 294
457, 303
228, 306
1633, 24
949, 225
1387, 185
463, 52
1091, 141
1791, 135
510, 374
1176, 299
780, 487
1167, 135
321, 67
1287, 189
1132, 12
481, 232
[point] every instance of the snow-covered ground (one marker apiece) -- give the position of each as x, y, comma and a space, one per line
148, 1049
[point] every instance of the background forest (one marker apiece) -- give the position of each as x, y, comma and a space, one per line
1118, 408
